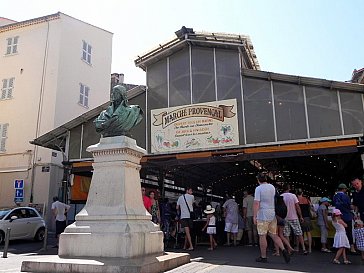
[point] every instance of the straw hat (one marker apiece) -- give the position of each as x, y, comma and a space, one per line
209, 209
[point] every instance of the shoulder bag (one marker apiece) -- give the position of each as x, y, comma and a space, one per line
192, 214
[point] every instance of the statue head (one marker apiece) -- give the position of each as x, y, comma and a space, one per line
119, 94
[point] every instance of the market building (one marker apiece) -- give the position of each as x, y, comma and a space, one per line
213, 119
52, 69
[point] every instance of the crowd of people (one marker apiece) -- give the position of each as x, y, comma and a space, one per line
260, 216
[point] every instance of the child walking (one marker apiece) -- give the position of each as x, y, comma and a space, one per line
359, 237
211, 226
341, 241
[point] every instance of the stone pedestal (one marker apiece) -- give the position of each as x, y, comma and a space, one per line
113, 228
114, 222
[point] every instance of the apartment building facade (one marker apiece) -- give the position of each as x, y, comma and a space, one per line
52, 69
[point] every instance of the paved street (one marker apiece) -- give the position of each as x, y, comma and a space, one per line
239, 259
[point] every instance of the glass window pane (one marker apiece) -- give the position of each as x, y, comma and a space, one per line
352, 111
157, 92
75, 143
290, 111
15, 48
258, 111
90, 137
203, 75
179, 79
323, 112
229, 82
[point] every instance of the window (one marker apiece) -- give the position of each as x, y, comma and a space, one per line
7, 89
86, 52
3, 136
84, 92
12, 45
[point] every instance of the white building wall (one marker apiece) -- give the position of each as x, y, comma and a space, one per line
73, 70
47, 70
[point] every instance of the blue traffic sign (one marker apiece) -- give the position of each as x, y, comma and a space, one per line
18, 199
19, 184
19, 193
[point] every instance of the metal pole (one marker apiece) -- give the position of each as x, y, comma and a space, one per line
7, 238
45, 240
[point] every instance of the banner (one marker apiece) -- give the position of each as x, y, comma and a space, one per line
197, 126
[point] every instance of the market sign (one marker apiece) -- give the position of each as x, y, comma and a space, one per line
196, 126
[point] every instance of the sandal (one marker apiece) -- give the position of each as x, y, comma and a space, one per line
347, 262
336, 261
210, 248
325, 250
276, 254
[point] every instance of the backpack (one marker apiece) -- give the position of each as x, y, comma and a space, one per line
280, 206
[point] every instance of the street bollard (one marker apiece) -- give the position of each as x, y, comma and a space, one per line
45, 240
6, 246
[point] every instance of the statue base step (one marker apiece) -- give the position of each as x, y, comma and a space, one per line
146, 264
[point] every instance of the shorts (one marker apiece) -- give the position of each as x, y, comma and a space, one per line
211, 230
186, 222
267, 226
230, 227
60, 227
249, 224
295, 225
281, 222
306, 226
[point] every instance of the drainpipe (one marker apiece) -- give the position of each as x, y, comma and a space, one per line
39, 116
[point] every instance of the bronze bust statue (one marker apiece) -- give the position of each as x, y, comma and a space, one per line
119, 117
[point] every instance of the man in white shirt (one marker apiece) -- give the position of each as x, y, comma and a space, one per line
231, 213
59, 210
294, 216
264, 217
185, 206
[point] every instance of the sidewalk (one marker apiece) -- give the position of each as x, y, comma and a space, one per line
242, 259
224, 259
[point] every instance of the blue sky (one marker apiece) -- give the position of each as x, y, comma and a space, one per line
315, 38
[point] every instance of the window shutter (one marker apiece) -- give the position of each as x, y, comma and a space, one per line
4, 130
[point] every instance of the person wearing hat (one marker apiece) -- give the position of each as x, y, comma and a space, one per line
323, 222
341, 241
342, 202
210, 225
